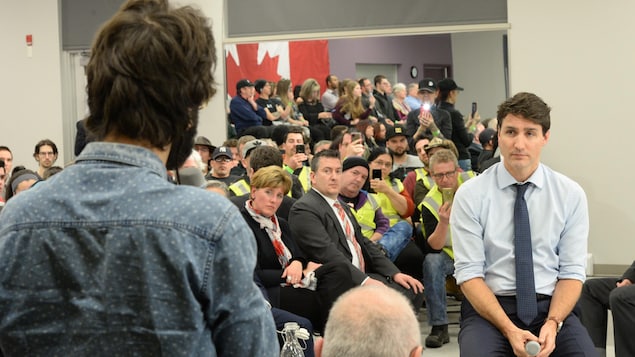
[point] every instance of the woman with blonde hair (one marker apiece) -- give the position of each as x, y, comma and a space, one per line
349, 110
398, 102
292, 282
320, 122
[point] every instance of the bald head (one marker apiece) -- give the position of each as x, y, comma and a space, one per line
371, 321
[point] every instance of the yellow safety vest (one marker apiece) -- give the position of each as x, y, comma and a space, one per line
434, 200
365, 215
422, 175
386, 206
304, 177
241, 187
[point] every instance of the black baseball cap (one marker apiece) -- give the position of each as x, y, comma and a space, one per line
396, 130
428, 85
447, 85
243, 83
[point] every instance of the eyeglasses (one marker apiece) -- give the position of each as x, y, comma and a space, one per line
50, 153
448, 175
387, 165
223, 159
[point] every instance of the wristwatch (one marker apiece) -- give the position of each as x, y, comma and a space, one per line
558, 323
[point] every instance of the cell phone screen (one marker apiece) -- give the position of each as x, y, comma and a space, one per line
474, 108
376, 174
356, 136
299, 149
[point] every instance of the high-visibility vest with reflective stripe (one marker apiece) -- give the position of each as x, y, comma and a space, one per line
386, 206
422, 175
305, 178
241, 187
365, 215
434, 200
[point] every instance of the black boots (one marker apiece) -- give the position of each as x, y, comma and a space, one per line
438, 336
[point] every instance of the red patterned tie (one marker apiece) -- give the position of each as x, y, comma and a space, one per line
348, 230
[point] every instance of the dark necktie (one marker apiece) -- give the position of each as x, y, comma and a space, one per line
525, 285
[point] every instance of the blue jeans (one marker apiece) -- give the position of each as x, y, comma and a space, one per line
396, 239
436, 266
465, 164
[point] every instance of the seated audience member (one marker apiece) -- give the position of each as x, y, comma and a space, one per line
475, 147
368, 131
3, 175
393, 199
327, 231
259, 157
7, 156
368, 100
344, 145
239, 169
380, 134
439, 262
371, 321
205, 149
53, 170
412, 99
45, 154
397, 143
427, 118
383, 104
331, 94
321, 145
284, 95
276, 114
418, 182
489, 142
246, 115
117, 262
320, 121
221, 162
437, 144
349, 110
366, 209
295, 162
293, 282
21, 180
598, 296
399, 103
216, 187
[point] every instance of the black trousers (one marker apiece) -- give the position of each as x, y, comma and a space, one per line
600, 295
478, 337
334, 279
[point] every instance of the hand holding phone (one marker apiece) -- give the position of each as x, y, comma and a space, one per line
447, 195
355, 136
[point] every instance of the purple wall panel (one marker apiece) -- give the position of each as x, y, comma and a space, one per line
405, 51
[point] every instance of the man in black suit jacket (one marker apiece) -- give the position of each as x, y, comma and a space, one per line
320, 234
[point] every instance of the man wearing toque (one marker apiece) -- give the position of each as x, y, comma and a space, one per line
519, 233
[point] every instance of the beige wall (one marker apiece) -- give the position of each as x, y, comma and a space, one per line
30, 88
579, 56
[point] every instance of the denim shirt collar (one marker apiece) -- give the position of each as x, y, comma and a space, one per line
126, 154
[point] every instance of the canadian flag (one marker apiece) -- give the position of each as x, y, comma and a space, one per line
296, 60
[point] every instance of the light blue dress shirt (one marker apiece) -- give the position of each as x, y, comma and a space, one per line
483, 229
108, 258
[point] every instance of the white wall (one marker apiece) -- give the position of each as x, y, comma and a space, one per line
30, 88
478, 67
579, 56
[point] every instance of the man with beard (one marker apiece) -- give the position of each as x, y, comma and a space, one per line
397, 143
117, 262
45, 154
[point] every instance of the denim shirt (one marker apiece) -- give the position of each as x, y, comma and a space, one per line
109, 258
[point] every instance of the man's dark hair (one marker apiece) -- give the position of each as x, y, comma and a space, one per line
5, 148
328, 79
379, 78
264, 156
361, 81
45, 142
293, 129
528, 106
150, 70
315, 162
